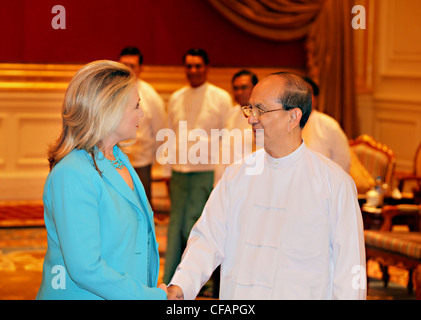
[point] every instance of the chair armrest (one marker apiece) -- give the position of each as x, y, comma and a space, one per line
402, 178
389, 212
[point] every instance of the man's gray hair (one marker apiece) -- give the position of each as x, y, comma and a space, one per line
297, 94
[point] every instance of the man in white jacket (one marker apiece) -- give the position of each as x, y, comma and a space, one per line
324, 134
194, 112
238, 143
290, 230
142, 152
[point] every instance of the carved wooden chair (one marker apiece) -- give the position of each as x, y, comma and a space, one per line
377, 158
396, 248
415, 176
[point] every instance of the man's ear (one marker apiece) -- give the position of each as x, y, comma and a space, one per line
294, 118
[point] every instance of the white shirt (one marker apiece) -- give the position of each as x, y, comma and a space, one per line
324, 135
143, 151
200, 110
236, 119
240, 143
294, 231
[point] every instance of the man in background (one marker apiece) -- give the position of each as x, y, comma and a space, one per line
142, 153
240, 143
242, 83
324, 135
198, 107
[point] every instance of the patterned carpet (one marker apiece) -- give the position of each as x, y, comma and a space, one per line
21, 214
22, 253
23, 242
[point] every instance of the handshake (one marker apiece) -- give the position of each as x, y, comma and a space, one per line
173, 292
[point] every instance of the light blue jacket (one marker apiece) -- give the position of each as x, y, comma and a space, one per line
101, 233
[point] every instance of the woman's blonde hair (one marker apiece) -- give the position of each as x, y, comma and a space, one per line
93, 106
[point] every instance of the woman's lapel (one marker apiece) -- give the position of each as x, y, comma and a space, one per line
117, 182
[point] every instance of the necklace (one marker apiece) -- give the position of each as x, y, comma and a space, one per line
117, 163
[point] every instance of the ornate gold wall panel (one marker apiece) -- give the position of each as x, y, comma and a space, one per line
397, 78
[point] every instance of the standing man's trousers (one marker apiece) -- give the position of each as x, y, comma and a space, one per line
188, 193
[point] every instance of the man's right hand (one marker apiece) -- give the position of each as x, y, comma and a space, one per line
175, 293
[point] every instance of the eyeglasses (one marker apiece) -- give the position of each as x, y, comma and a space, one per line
256, 111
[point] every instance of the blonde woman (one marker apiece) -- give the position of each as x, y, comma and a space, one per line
101, 233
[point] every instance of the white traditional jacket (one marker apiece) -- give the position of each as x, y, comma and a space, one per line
196, 115
287, 228
323, 134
